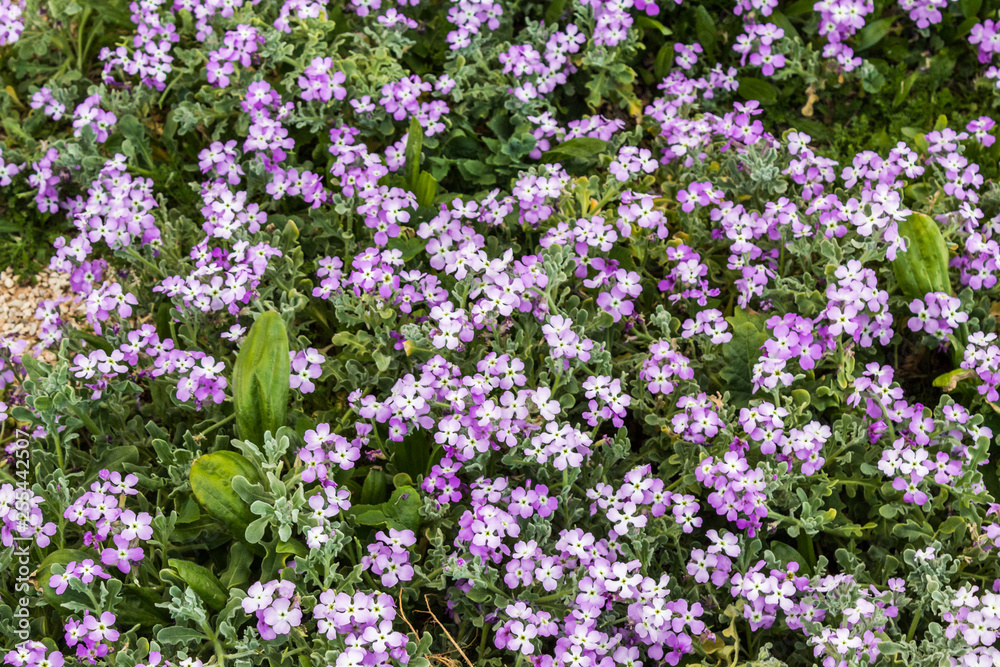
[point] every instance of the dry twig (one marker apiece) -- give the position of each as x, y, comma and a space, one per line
446, 633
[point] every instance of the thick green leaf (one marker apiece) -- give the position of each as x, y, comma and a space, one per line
260, 379
923, 267
789, 554
138, 606
970, 8
664, 60
554, 11
873, 33
374, 488
237, 571
581, 147
404, 506
426, 190
402, 510
255, 530
705, 28
212, 483
202, 581
742, 353
410, 247
758, 89
414, 146
646, 23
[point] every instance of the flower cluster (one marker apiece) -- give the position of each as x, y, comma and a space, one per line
88, 114
389, 558
33, 654
21, 512
937, 314
363, 622
588, 390
238, 46
275, 605
117, 532
44, 99
306, 366
92, 635
322, 446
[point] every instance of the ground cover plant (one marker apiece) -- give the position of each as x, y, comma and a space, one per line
578, 333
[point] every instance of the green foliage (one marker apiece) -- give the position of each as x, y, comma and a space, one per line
260, 378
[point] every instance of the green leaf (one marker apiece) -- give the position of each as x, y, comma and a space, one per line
201, 580
176, 634
705, 28
426, 190
368, 515
891, 648
96, 341
554, 11
212, 484
800, 7
742, 352
412, 455
757, 89
970, 8
374, 488
414, 146
581, 147
646, 24
789, 554
349, 338
949, 381
237, 571
410, 247
904, 89
951, 524
382, 360
402, 510
292, 547
404, 506
260, 379
478, 594
888, 511
664, 60
872, 33
255, 530
923, 267
911, 530
801, 397
137, 605
780, 20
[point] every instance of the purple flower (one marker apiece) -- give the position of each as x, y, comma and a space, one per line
122, 554
100, 628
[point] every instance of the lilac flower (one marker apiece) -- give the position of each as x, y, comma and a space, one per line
100, 628
305, 367
89, 114
44, 99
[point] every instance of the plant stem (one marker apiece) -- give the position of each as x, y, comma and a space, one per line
220, 653
79, 39
221, 422
59, 449
135, 255
87, 421
913, 626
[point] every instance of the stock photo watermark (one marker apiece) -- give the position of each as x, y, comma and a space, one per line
21, 561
